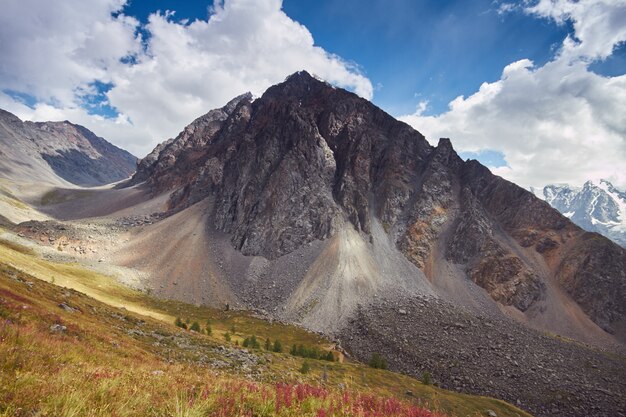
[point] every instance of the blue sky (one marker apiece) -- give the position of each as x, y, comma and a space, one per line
433, 50
534, 89
410, 50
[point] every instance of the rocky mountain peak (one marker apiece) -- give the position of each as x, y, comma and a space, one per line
232, 104
310, 164
445, 143
9, 117
303, 78
444, 152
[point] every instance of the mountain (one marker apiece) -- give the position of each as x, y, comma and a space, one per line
59, 153
311, 206
597, 207
328, 203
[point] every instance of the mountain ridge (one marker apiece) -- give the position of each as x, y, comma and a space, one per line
597, 206
60, 153
306, 160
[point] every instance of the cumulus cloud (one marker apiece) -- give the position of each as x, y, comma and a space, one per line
557, 123
55, 50
244, 46
599, 25
183, 70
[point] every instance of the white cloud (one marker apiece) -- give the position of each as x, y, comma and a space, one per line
599, 25
115, 130
52, 49
556, 123
504, 8
187, 68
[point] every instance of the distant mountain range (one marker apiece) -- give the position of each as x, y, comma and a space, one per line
59, 153
597, 206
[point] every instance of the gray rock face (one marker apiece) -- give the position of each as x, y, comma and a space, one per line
291, 166
164, 167
59, 151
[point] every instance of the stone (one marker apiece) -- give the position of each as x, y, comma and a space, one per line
67, 308
58, 328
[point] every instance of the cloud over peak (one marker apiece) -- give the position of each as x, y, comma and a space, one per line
180, 71
558, 123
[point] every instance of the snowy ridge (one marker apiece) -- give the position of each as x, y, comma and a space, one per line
620, 200
597, 207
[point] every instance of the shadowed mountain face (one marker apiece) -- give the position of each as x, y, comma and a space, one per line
309, 163
58, 153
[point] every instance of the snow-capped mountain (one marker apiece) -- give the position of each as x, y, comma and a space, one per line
598, 207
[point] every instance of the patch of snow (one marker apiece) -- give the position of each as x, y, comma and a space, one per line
598, 207
608, 188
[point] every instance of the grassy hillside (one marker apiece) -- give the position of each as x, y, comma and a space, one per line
74, 343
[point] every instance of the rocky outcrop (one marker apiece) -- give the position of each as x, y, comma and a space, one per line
593, 271
588, 266
297, 164
59, 152
168, 166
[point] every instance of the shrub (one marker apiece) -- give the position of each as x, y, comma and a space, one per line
308, 352
251, 342
278, 347
178, 322
195, 326
426, 379
377, 362
208, 330
227, 336
306, 367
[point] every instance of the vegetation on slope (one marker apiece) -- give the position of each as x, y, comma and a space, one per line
66, 352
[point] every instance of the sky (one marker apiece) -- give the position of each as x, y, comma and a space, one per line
534, 89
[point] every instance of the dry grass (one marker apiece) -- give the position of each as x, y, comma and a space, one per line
133, 361
10, 198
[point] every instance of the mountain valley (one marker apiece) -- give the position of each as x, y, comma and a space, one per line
311, 207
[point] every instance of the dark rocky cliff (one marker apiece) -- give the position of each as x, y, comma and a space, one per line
291, 166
